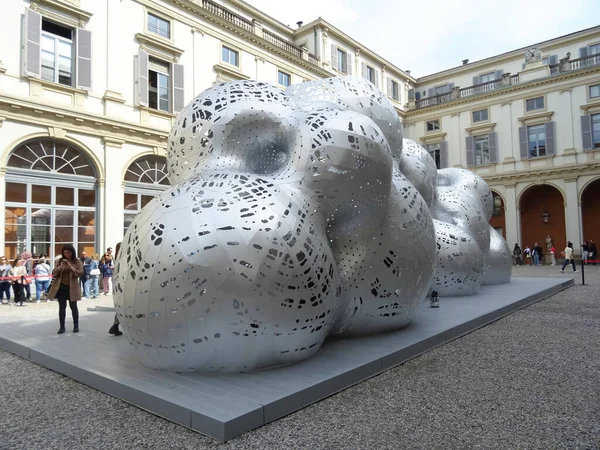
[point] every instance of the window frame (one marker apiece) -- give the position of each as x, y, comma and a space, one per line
480, 153
370, 70
231, 50
487, 74
487, 115
342, 60
169, 86
543, 107
433, 128
279, 78
395, 90
161, 18
56, 42
435, 151
595, 143
529, 134
590, 96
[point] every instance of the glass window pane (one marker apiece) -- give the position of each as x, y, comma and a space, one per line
86, 234
86, 218
64, 65
65, 196
12, 249
47, 73
40, 216
15, 215
128, 219
39, 249
16, 192
64, 49
130, 202
41, 194
47, 44
63, 234
13, 232
58, 247
64, 217
41, 233
87, 197
88, 247
146, 199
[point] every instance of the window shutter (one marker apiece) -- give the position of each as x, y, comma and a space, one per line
84, 59
553, 59
583, 52
430, 92
363, 67
493, 143
334, 57
443, 154
390, 88
523, 144
348, 63
377, 75
411, 94
178, 92
586, 132
550, 140
470, 143
499, 74
417, 95
142, 78
523, 66
32, 38
476, 80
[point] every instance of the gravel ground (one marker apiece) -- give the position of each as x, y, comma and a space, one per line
529, 380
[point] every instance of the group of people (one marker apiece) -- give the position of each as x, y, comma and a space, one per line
71, 280
533, 255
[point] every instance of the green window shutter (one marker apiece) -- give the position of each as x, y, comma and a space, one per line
493, 143
583, 52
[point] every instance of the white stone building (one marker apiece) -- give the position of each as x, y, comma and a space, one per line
89, 91
527, 121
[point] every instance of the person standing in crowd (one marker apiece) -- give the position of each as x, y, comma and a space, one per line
552, 255
593, 254
19, 274
28, 264
114, 330
537, 253
42, 279
568, 254
527, 252
4, 280
66, 286
107, 272
91, 285
585, 252
84, 277
517, 254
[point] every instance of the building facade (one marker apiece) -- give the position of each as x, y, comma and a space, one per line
89, 91
528, 122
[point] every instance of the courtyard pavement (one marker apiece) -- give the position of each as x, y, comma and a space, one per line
529, 380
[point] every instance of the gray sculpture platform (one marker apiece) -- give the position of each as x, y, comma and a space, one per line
224, 406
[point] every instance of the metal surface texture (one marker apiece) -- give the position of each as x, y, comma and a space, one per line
289, 220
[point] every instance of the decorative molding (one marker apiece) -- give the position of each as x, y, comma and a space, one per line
229, 72
2, 68
164, 48
157, 112
433, 138
113, 96
57, 132
591, 107
2, 119
536, 118
62, 10
36, 85
159, 151
482, 128
113, 142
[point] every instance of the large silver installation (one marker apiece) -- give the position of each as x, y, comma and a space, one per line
293, 217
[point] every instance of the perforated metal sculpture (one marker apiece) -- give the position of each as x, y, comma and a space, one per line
289, 220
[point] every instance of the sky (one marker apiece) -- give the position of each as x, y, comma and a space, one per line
427, 36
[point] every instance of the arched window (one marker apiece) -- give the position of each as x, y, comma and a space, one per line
145, 178
50, 199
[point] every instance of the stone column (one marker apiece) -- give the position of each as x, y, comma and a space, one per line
2, 209
572, 214
511, 216
113, 193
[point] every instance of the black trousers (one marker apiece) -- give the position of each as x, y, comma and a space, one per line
19, 294
62, 312
4, 290
27, 288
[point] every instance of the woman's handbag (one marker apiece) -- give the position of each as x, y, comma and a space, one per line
95, 272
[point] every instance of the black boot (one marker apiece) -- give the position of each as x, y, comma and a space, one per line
115, 330
76, 327
61, 330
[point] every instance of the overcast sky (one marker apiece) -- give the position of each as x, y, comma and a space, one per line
426, 36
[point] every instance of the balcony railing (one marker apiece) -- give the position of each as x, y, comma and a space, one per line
248, 25
564, 66
229, 16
